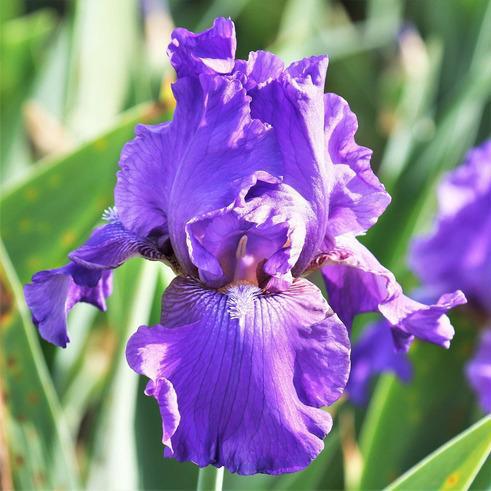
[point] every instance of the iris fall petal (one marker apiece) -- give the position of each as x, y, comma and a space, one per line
250, 372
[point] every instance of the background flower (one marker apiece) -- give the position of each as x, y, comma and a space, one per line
443, 261
458, 251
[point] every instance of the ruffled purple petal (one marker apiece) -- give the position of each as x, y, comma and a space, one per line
467, 182
52, 294
111, 245
259, 237
211, 51
457, 254
478, 371
231, 123
356, 282
249, 371
260, 68
199, 161
372, 354
87, 278
293, 104
144, 180
358, 198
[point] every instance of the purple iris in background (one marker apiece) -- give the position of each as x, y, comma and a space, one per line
255, 182
457, 253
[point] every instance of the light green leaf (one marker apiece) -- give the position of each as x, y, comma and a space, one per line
56, 205
454, 465
113, 460
104, 40
39, 449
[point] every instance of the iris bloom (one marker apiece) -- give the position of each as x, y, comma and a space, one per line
256, 181
457, 253
444, 262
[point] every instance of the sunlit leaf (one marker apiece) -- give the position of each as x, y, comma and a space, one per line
454, 465
105, 38
21, 48
113, 460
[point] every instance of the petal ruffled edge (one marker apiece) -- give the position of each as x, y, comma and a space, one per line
247, 388
356, 283
210, 51
53, 293
87, 278
358, 198
293, 104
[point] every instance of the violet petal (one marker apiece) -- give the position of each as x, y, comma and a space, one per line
250, 371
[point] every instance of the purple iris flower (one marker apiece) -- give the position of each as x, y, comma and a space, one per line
374, 353
457, 253
444, 262
256, 181
478, 370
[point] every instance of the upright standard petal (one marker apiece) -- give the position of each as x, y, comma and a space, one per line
358, 198
52, 294
260, 68
293, 104
258, 238
479, 371
374, 353
356, 282
199, 161
240, 375
211, 51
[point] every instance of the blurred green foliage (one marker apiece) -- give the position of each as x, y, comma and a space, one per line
75, 78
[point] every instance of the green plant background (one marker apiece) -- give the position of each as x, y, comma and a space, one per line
75, 79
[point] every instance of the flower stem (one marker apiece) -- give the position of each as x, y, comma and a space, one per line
210, 479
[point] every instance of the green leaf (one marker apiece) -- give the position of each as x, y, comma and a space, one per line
104, 40
414, 109
482, 482
414, 192
21, 49
407, 421
40, 451
56, 205
113, 460
155, 471
454, 465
